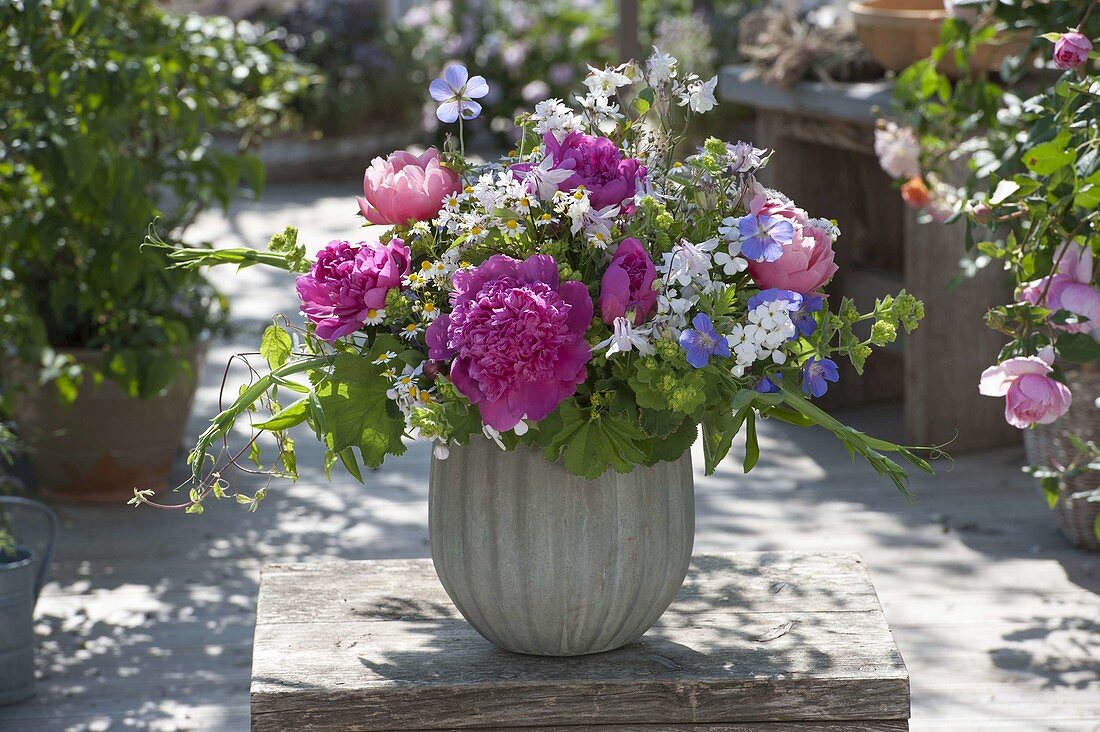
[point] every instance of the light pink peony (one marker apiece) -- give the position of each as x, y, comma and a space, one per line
346, 282
404, 187
517, 338
1031, 396
807, 261
627, 284
1069, 288
1071, 50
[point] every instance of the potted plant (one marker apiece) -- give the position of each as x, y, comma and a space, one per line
561, 322
1031, 201
22, 574
109, 112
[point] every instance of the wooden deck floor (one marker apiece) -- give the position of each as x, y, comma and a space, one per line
148, 621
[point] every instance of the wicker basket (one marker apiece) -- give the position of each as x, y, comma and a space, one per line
1046, 445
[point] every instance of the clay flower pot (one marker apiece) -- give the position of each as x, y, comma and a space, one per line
106, 443
540, 561
898, 33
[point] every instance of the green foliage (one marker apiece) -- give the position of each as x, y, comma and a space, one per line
109, 115
357, 413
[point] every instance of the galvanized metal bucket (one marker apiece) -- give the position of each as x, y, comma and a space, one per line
20, 582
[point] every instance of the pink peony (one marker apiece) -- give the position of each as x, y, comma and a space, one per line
1071, 50
404, 187
346, 282
517, 338
1031, 396
599, 166
627, 284
807, 261
1069, 288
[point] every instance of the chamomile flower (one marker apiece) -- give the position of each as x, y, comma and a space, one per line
375, 317
428, 311
414, 280
512, 228
385, 357
411, 331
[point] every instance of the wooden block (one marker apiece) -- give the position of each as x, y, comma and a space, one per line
754, 643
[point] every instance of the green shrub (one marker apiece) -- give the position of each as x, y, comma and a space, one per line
114, 113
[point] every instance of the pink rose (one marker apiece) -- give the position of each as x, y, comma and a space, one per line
1071, 50
1069, 288
517, 338
347, 282
627, 284
404, 187
807, 261
1031, 396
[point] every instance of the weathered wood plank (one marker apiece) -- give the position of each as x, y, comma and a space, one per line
771, 637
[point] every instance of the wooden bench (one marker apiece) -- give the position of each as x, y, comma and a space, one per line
765, 642
825, 161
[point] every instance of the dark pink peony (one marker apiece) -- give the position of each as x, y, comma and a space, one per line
346, 282
599, 166
627, 284
517, 338
807, 261
404, 187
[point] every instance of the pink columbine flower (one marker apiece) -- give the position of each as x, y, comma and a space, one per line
807, 261
599, 166
516, 336
1069, 288
1031, 396
1071, 50
347, 282
405, 187
627, 284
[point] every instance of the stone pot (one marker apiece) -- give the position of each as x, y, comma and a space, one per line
106, 443
540, 561
898, 33
21, 579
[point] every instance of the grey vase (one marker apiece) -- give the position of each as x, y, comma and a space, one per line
540, 561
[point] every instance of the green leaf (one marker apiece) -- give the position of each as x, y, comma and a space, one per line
1004, 189
660, 422
1078, 347
293, 415
752, 447
275, 346
1051, 491
357, 412
1048, 157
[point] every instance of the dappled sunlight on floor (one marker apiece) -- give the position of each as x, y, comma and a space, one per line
148, 620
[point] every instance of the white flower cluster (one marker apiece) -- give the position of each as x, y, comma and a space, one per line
552, 115
405, 389
476, 210
596, 224
898, 150
768, 329
685, 274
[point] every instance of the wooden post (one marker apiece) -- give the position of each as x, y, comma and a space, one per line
629, 44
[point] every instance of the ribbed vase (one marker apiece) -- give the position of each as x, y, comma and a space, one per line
540, 561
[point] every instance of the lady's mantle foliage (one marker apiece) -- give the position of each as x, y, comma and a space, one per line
479, 317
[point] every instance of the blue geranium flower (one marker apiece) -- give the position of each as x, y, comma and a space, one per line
702, 341
815, 373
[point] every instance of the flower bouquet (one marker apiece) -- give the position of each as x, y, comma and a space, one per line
587, 302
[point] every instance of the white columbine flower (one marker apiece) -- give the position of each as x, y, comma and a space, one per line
661, 67
604, 82
544, 180
627, 338
698, 95
744, 157
688, 262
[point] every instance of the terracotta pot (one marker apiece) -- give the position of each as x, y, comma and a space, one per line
106, 443
540, 561
898, 33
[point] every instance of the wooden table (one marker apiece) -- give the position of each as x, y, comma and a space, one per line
764, 642
823, 135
